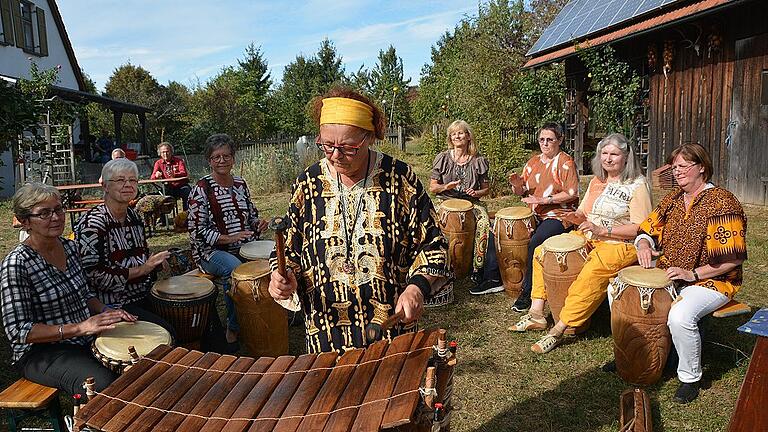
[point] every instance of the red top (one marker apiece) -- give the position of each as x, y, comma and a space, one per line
171, 169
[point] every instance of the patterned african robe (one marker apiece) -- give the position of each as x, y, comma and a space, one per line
393, 238
712, 231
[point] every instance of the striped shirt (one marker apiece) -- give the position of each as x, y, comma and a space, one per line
215, 210
109, 248
34, 291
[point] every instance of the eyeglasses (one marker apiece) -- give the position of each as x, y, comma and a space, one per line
46, 214
221, 158
682, 168
122, 182
546, 140
346, 150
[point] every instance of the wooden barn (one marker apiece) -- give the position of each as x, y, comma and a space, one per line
704, 70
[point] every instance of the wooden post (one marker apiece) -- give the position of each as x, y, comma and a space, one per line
400, 137
118, 115
90, 393
429, 387
143, 135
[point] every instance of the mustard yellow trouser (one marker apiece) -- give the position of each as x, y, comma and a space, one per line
589, 289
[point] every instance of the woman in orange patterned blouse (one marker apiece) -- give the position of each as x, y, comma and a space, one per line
701, 229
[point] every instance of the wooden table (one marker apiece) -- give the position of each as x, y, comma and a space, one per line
158, 183
750, 413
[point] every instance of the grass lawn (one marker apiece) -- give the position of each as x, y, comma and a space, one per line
500, 385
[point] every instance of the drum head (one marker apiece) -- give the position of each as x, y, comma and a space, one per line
642, 277
142, 335
514, 213
250, 270
259, 249
564, 243
457, 205
182, 288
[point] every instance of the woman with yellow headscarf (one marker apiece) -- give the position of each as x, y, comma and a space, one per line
363, 243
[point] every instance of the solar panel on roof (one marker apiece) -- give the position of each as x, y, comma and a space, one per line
580, 18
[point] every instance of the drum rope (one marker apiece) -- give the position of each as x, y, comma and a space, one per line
245, 419
292, 372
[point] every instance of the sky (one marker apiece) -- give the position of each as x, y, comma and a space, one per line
189, 41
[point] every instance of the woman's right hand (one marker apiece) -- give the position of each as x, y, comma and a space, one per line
646, 255
282, 287
452, 185
104, 321
236, 237
517, 183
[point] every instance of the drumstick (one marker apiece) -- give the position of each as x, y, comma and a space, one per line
374, 330
279, 225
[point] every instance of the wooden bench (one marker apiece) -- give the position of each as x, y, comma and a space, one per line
732, 308
25, 398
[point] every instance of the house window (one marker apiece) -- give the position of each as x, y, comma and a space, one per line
28, 29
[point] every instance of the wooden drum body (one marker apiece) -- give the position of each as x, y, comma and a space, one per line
641, 339
111, 347
186, 303
562, 258
512, 235
263, 323
458, 224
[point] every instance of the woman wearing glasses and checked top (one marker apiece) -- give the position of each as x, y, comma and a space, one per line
49, 313
221, 219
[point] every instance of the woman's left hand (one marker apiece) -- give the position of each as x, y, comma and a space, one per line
411, 302
471, 192
677, 273
595, 230
533, 200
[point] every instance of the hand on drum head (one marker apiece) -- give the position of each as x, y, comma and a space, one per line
411, 302
282, 287
158, 259
104, 321
677, 273
646, 255
236, 237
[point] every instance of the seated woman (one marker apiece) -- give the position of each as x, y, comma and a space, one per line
49, 314
686, 226
461, 172
113, 248
168, 167
549, 184
618, 199
222, 218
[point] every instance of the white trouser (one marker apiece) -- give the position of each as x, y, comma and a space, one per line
693, 303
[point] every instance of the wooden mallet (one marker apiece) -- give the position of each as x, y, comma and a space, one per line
373, 331
279, 225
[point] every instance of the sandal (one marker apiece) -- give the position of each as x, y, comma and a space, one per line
546, 344
528, 322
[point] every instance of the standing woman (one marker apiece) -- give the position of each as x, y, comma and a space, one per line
49, 313
701, 230
461, 172
549, 185
617, 200
363, 243
222, 218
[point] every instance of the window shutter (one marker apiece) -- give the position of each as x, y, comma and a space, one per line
5, 11
16, 12
41, 31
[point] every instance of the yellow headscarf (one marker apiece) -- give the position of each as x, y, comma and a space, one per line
338, 110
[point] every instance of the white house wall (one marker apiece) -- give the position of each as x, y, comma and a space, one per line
14, 61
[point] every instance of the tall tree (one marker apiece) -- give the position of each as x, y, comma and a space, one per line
388, 84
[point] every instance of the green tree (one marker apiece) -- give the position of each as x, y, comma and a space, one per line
388, 84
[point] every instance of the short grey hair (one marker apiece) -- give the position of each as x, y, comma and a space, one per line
632, 167
217, 141
117, 166
164, 144
119, 151
30, 195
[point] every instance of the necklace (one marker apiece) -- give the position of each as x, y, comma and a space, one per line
348, 266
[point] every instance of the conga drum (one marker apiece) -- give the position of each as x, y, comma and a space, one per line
263, 323
641, 340
111, 346
186, 303
511, 231
458, 224
562, 258
259, 249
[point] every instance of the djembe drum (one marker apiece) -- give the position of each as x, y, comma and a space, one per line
641, 339
259, 249
111, 347
186, 303
263, 323
562, 258
512, 234
388, 386
458, 224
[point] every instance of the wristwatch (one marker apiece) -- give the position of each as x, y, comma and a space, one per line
549, 199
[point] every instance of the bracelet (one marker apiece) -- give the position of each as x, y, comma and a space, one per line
695, 275
423, 283
61, 332
550, 199
610, 230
